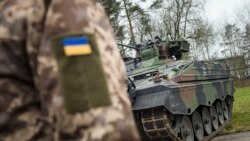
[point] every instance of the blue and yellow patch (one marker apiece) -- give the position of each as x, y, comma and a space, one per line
74, 46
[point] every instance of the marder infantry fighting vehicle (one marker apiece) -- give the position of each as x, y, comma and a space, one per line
174, 99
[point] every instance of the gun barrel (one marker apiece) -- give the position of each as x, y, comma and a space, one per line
128, 46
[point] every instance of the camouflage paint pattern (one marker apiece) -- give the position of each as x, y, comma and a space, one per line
168, 89
189, 87
31, 101
202, 71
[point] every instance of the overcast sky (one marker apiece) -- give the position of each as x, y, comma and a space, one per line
220, 11
217, 12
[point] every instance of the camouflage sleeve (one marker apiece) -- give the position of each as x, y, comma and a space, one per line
80, 68
20, 30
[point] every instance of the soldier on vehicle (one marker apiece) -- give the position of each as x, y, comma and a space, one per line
61, 75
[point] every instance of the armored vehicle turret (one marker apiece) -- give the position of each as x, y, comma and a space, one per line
174, 99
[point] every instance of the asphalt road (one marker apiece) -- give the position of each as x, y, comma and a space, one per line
242, 136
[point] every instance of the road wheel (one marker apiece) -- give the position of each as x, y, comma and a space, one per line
206, 119
220, 112
225, 109
198, 126
187, 133
214, 117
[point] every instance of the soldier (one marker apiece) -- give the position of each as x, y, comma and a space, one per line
61, 76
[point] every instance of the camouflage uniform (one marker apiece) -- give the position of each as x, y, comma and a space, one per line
31, 101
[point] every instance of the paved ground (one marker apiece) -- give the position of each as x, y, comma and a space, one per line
242, 136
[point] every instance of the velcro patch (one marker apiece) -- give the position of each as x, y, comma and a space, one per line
82, 78
74, 46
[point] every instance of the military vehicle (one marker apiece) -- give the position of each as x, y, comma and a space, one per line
174, 99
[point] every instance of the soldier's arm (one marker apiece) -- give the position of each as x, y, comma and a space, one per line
17, 20
80, 69
18, 49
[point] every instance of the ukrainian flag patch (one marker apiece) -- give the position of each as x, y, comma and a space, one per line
75, 46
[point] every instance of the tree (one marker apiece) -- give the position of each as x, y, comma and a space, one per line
132, 13
246, 47
243, 14
178, 16
231, 38
143, 27
204, 38
113, 9
246, 36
